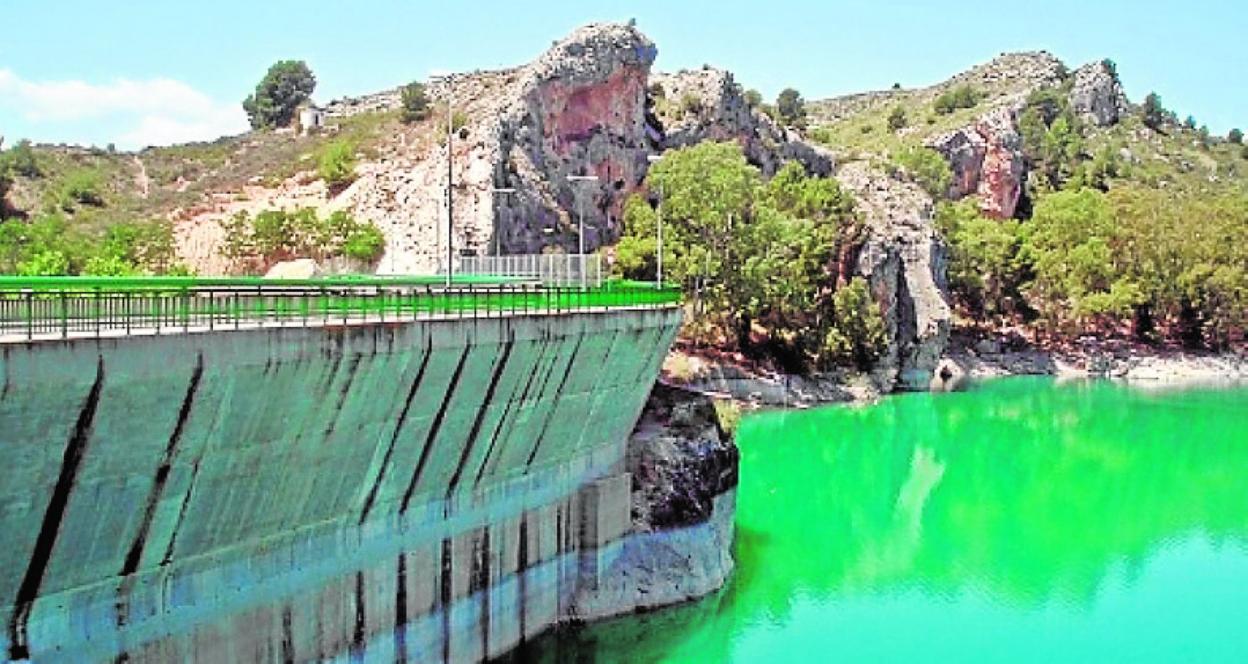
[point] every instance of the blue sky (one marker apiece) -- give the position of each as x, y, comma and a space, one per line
145, 71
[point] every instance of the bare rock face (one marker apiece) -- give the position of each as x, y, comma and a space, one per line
577, 110
680, 460
904, 260
1097, 95
709, 105
987, 160
684, 470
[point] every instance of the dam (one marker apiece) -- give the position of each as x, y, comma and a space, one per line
381, 469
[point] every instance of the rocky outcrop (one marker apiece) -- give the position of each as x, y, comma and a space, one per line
707, 104
1096, 95
986, 158
684, 470
1018, 73
904, 260
579, 109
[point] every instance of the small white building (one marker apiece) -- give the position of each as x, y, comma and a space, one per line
311, 118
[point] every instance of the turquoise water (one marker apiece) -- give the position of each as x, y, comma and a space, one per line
1020, 521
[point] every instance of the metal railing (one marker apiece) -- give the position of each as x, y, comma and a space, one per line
63, 307
550, 269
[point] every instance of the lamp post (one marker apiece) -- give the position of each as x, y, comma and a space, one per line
580, 209
658, 275
498, 242
450, 195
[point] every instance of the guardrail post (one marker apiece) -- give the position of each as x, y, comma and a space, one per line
64, 315
30, 315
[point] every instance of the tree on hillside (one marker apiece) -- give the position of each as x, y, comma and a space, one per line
791, 107
759, 257
1052, 139
21, 160
984, 271
754, 98
1111, 67
287, 84
1203, 136
1190, 122
415, 103
1235, 136
1154, 114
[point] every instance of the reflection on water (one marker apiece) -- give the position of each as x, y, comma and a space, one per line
1023, 520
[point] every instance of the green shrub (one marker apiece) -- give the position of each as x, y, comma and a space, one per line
926, 168
822, 135
963, 96
273, 234
285, 86
857, 334
753, 98
336, 165
20, 160
81, 187
728, 415
109, 266
897, 119
690, 104
144, 246
278, 235
415, 103
46, 263
365, 243
1235, 136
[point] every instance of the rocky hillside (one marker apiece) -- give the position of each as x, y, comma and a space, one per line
591, 105
581, 108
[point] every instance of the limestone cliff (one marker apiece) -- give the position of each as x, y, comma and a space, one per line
986, 158
903, 259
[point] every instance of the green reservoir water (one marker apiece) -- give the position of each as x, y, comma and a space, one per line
1021, 521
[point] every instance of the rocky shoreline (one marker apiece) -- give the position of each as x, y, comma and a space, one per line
964, 360
1142, 365
683, 465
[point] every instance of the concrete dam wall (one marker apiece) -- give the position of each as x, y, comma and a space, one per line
435, 490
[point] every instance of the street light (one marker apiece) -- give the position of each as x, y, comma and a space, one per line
498, 244
450, 194
658, 276
580, 209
